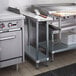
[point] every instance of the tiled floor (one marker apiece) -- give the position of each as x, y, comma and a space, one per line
28, 69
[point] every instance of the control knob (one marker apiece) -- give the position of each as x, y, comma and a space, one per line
10, 24
2, 25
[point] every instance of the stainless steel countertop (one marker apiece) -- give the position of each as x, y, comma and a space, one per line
6, 15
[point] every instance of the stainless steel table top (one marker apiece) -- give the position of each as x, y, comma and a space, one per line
6, 15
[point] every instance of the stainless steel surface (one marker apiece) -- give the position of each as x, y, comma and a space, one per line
13, 49
34, 53
62, 22
7, 38
60, 28
37, 38
11, 39
47, 39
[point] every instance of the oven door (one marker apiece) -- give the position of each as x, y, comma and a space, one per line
10, 46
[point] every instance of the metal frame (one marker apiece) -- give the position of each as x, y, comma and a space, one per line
57, 47
39, 57
21, 28
43, 8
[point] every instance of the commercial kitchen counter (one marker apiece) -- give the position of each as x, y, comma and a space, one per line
64, 17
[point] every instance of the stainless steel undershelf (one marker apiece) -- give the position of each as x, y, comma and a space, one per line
57, 47
32, 54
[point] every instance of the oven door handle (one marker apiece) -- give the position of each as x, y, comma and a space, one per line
7, 38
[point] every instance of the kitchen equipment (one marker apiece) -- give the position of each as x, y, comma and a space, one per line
64, 17
11, 39
34, 53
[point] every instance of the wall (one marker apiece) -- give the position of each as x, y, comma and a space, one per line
3, 5
22, 3
26, 3
54, 1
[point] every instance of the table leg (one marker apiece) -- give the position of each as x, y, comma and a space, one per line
29, 23
47, 39
37, 42
60, 27
47, 42
52, 57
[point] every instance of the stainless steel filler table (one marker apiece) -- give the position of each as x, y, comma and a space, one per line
33, 53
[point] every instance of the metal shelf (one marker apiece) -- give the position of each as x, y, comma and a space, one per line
57, 47
32, 53
65, 28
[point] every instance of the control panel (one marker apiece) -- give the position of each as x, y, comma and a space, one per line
11, 25
5, 25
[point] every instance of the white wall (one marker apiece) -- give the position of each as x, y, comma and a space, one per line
26, 3
29, 2
54, 1
20, 3
3, 5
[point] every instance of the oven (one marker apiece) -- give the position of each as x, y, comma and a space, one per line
11, 40
10, 46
